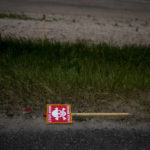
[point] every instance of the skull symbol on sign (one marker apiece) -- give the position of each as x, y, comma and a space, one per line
59, 113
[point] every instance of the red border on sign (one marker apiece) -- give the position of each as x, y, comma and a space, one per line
57, 122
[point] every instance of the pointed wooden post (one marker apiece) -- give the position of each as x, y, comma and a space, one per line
43, 28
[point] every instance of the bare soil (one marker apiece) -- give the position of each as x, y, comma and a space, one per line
119, 22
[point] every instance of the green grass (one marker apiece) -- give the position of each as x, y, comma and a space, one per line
16, 16
91, 77
24, 17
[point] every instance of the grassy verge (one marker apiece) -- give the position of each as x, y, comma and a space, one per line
16, 16
91, 77
23, 17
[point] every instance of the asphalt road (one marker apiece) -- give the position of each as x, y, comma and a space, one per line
89, 139
18, 133
76, 6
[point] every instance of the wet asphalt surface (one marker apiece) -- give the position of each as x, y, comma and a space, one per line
84, 139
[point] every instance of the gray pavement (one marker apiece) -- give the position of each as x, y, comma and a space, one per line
19, 133
89, 139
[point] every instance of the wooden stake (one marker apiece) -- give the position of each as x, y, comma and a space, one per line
100, 114
43, 29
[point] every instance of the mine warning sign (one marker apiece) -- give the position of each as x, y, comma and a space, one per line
57, 113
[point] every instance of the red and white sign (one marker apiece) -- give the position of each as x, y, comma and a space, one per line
58, 113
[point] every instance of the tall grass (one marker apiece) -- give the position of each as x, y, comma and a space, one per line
88, 76
77, 65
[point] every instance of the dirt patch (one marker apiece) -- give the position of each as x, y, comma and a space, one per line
119, 30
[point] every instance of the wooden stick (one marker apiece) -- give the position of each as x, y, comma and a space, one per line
100, 114
43, 29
